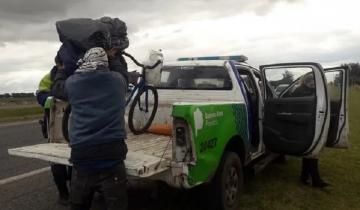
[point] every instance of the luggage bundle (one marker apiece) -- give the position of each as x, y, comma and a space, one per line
85, 33
81, 34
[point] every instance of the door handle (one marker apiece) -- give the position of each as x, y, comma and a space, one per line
284, 114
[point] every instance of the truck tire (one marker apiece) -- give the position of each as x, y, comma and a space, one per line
228, 183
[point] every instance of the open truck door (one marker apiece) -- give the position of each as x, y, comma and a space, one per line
337, 85
296, 108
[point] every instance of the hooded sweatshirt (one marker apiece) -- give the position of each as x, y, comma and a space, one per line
97, 125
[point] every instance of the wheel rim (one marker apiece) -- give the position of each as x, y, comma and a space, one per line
143, 111
231, 186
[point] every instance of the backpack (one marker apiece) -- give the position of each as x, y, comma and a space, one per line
80, 34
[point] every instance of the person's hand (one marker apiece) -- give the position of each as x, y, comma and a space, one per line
112, 52
133, 77
60, 67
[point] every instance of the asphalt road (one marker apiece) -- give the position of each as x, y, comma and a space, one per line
37, 192
17, 135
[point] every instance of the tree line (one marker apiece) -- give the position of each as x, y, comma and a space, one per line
354, 78
17, 95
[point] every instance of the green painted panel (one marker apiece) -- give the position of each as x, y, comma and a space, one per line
213, 125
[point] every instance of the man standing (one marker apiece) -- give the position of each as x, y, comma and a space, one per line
61, 173
97, 132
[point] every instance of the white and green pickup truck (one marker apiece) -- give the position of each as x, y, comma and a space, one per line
225, 116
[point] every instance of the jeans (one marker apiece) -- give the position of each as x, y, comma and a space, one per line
310, 169
110, 183
61, 174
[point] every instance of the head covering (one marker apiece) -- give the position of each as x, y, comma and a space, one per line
94, 59
118, 32
308, 80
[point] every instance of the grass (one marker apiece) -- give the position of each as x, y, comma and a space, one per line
25, 101
278, 187
19, 109
11, 114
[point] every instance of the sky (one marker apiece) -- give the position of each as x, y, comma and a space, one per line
266, 31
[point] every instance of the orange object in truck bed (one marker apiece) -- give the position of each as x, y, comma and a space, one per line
161, 129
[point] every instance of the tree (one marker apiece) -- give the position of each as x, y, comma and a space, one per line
5, 95
22, 95
288, 77
337, 80
354, 73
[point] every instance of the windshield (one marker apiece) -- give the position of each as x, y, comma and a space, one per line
195, 78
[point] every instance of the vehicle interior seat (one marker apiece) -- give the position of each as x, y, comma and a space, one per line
186, 83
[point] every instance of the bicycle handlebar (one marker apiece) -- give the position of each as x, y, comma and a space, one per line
139, 64
133, 59
153, 66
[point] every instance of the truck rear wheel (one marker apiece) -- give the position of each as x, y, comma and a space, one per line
228, 182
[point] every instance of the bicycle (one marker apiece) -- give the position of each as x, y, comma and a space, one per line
143, 96
142, 91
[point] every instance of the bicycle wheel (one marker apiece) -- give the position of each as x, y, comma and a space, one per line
142, 110
65, 122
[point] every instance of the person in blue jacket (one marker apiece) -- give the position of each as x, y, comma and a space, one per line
97, 132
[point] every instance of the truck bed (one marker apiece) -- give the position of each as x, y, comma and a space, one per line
148, 154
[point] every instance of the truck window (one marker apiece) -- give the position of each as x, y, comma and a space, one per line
290, 82
248, 83
195, 78
334, 85
252, 95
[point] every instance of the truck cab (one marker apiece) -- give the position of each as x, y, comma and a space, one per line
224, 116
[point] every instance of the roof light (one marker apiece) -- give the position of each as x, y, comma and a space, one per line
239, 58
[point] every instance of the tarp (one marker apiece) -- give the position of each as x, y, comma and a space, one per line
80, 32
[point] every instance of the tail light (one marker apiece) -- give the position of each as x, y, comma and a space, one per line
180, 136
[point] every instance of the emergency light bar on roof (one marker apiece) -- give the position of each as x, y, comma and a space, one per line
239, 58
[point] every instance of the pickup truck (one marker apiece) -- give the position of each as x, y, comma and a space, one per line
226, 116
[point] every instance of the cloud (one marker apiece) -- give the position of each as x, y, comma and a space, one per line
264, 30
32, 11
34, 19
14, 82
24, 63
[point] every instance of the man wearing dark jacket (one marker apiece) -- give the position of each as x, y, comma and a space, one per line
97, 132
47, 87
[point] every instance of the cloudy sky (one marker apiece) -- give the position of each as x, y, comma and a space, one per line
267, 31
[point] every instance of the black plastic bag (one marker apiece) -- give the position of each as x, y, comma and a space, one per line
84, 33
118, 32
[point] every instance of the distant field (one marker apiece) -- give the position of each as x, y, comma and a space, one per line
278, 187
20, 113
19, 109
13, 102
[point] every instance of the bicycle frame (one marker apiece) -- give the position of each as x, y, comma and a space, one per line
138, 87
